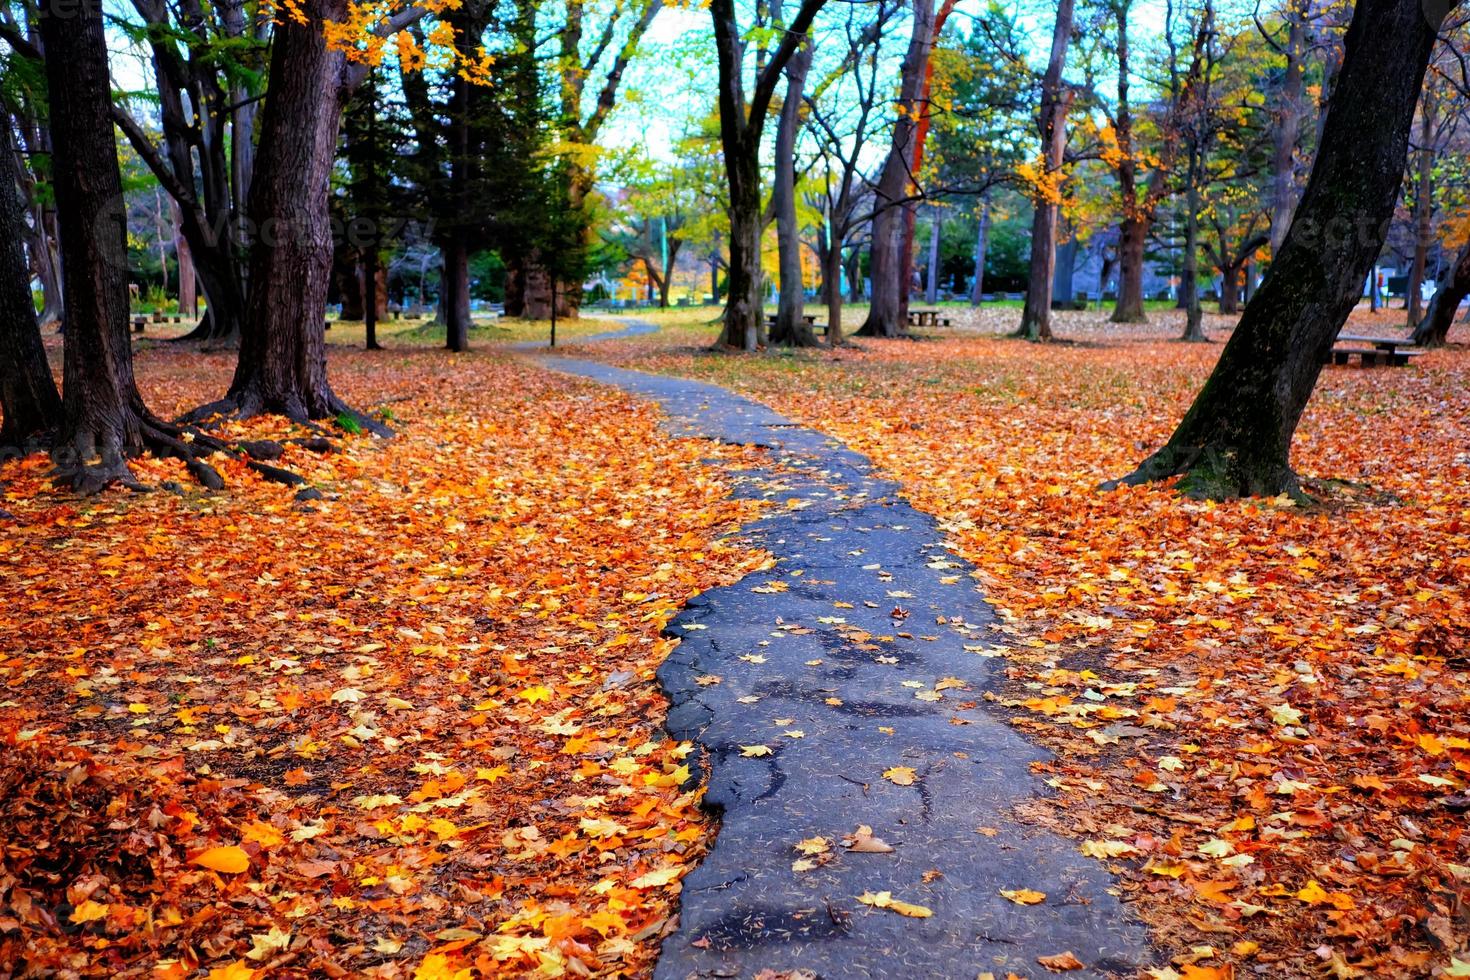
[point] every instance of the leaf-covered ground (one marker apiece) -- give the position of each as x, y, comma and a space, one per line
1259, 710
409, 729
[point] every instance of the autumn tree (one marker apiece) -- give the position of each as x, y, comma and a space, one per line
841, 118
208, 65
104, 420
1236, 438
594, 45
1056, 102
742, 126
896, 186
29, 403
790, 328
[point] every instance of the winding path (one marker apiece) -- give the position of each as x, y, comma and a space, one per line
867, 655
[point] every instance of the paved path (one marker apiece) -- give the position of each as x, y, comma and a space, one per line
825, 670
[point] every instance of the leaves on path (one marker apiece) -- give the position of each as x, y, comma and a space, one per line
1302, 669
410, 728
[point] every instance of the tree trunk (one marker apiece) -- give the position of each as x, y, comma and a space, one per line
456, 286
1052, 123
283, 359
104, 420
1133, 229
982, 242
1288, 129
855, 293
372, 296
47, 261
1194, 328
931, 286
832, 273
790, 328
1434, 329
1236, 438
1423, 209
921, 138
889, 270
28, 399
1132, 242
744, 327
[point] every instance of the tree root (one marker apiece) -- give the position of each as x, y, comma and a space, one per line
1209, 473
238, 407
181, 441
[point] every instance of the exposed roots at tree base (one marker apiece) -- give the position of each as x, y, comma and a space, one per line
184, 442
247, 406
1212, 473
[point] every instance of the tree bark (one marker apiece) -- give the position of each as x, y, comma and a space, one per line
456, 286
931, 285
1133, 229
1052, 124
889, 269
982, 242
1236, 438
1288, 129
741, 126
1423, 208
104, 419
790, 328
921, 139
29, 402
1194, 329
1434, 329
283, 360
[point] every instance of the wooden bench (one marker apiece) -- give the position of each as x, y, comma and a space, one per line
140, 324
1395, 351
810, 319
927, 318
1370, 356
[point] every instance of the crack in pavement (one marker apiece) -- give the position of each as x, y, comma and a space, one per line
845, 676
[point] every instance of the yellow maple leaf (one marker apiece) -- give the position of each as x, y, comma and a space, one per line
900, 775
228, 860
89, 911
1023, 896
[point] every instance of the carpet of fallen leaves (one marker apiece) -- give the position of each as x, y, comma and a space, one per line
1259, 710
407, 729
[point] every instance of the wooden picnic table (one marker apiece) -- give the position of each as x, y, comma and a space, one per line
1389, 350
926, 318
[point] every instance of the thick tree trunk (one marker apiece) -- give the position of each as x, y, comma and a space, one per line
1052, 123
982, 242
104, 418
29, 402
1236, 438
744, 327
890, 270
1434, 329
283, 360
790, 329
832, 273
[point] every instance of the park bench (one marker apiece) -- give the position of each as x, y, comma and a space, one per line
927, 318
811, 321
1395, 351
140, 323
